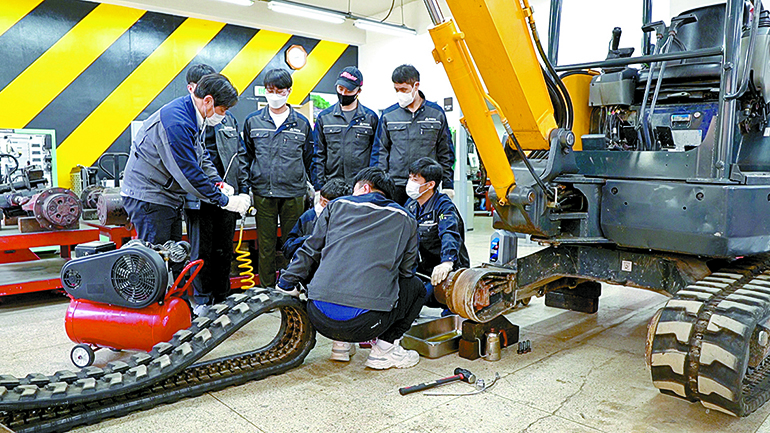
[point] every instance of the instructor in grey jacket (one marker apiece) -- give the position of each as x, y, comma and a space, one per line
366, 249
168, 160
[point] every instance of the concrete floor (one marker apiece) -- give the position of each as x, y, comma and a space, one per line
586, 373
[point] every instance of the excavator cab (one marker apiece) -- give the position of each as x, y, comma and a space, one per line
650, 171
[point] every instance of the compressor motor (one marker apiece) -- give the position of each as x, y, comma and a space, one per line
125, 299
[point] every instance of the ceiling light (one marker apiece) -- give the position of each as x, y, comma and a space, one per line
240, 2
388, 29
305, 11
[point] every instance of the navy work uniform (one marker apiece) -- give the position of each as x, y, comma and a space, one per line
344, 143
167, 161
442, 234
404, 137
279, 161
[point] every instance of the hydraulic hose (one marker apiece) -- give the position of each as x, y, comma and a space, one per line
243, 257
554, 76
15, 160
512, 137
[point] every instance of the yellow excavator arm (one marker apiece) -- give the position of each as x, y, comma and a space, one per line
496, 32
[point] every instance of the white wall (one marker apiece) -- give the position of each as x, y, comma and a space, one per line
381, 54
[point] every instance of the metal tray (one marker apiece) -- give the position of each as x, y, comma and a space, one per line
435, 338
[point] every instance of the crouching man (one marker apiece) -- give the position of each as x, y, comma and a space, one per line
364, 287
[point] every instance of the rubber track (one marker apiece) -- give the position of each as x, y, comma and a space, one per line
701, 347
39, 403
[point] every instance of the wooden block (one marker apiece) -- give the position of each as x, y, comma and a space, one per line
30, 225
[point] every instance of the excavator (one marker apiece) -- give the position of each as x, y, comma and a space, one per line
655, 177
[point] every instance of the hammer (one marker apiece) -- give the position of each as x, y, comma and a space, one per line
460, 374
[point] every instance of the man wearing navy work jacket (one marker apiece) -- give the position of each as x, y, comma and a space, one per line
168, 160
279, 156
411, 129
344, 132
209, 227
441, 229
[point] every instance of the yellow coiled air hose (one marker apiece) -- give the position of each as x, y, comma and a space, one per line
244, 258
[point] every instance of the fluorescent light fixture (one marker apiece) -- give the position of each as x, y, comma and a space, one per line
388, 29
305, 11
240, 2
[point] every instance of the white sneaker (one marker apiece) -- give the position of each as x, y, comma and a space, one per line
395, 356
342, 351
200, 310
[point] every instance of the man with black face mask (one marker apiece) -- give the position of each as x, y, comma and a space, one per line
344, 132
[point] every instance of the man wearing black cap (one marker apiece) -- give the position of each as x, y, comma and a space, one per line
344, 133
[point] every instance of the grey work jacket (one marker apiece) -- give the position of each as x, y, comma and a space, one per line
362, 245
278, 158
343, 148
405, 137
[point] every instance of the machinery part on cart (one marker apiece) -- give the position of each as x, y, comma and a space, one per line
82, 355
460, 374
67, 399
710, 342
90, 196
109, 208
55, 209
478, 294
32, 177
134, 276
481, 386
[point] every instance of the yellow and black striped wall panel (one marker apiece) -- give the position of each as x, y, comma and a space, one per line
88, 69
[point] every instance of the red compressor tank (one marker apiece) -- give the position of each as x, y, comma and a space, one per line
105, 325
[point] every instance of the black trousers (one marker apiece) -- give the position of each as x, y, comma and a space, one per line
210, 230
385, 325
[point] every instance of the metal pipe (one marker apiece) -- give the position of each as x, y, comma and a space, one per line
750, 53
704, 52
554, 25
646, 18
728, 85
434, 11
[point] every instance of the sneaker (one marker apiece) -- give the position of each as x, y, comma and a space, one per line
200, 310
342, 351
395, 356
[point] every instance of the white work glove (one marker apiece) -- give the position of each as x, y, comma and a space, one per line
238, 203
440, 273
293, 293
449, 192
226, 189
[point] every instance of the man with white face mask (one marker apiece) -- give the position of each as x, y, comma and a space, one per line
168, 160
210, 228
441, 229
279, 155
411, 129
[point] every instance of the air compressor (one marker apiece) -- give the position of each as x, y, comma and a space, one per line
121, 298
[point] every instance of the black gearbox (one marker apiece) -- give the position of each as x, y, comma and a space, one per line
134, 276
